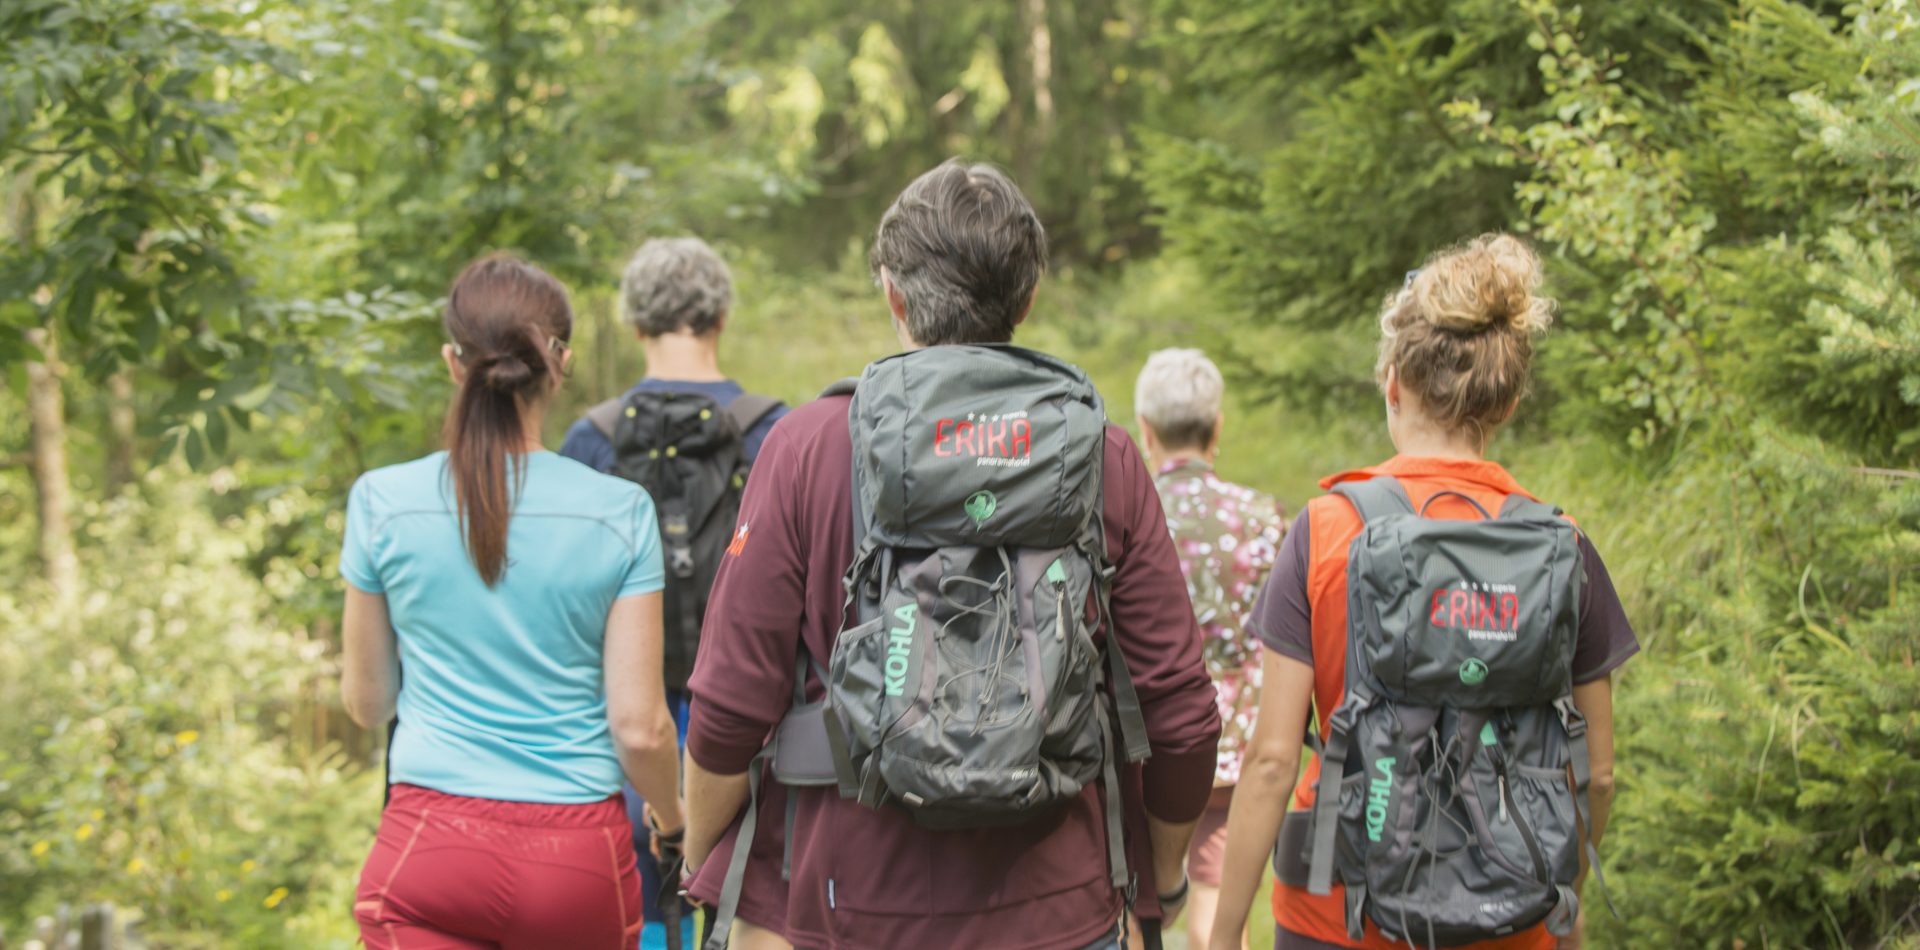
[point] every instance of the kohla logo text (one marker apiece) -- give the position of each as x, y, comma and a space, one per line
1003, 439
1483, 611
1379, 796
900, 648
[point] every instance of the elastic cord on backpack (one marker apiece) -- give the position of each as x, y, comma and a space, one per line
999, 607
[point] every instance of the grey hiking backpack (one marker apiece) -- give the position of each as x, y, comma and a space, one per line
1452, 800
965, 686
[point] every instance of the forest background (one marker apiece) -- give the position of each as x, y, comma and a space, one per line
227, 222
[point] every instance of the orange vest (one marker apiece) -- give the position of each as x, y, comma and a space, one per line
1332, 524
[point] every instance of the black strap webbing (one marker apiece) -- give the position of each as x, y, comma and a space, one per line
1576, 727
1134, 745
1116, 831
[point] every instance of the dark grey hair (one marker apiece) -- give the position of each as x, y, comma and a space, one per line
673, 285
965, 251
1178, 394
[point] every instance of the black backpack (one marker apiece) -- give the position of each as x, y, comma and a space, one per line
688, 452
1452, 800
965, 687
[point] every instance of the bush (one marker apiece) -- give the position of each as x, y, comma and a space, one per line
158, 744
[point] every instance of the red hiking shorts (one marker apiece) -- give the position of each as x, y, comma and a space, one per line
469, 873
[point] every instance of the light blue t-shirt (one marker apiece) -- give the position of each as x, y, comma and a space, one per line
501, 694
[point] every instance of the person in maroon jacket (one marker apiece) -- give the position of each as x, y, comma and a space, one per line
959, 257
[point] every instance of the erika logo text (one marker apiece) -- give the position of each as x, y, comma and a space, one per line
1483, 611
900, 648
1004, 439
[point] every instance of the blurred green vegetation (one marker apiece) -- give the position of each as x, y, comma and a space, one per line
227, 223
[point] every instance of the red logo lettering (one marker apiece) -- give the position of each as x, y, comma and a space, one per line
983, 438
1479, 610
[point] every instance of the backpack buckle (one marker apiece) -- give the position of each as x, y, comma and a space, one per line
680, 559
1570, 717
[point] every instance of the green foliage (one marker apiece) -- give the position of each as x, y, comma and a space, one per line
161, 748
247, 209
1727, 397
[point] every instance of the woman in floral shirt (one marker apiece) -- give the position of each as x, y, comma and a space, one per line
1227, 536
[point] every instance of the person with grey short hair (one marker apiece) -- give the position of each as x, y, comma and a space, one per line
676, 293
1227, 536
676, 286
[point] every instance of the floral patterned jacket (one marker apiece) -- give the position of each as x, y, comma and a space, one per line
1227, 536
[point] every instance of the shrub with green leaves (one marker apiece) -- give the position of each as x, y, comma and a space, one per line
158, 749
1728, 399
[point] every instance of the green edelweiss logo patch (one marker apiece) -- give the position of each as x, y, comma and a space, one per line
1472, 672
980, 506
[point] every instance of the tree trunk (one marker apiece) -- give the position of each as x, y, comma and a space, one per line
1040, 51
46, 421
121, 425
47, 430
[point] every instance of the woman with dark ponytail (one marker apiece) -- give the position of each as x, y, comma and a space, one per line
520, 591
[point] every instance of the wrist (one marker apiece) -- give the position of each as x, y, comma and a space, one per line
1177, 894
670, 830
1168, 875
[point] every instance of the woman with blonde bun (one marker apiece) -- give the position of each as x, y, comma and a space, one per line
1455, 350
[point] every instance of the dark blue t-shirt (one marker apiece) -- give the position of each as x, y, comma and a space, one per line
587, 445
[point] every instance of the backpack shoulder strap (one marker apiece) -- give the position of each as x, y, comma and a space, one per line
606, 416
1519, 506
1376, 497
841, 387
747, 409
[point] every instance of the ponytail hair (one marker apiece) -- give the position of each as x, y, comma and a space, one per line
509, 322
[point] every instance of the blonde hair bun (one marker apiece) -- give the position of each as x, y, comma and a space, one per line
1488, 283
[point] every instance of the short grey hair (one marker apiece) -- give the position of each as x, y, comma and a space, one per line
964, 249
673, 285
1179, 393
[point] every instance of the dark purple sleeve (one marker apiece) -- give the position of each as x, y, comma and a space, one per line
1605, 639
743, 676
1280, 616
1159, 640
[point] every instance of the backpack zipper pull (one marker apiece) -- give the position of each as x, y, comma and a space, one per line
1503, 798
